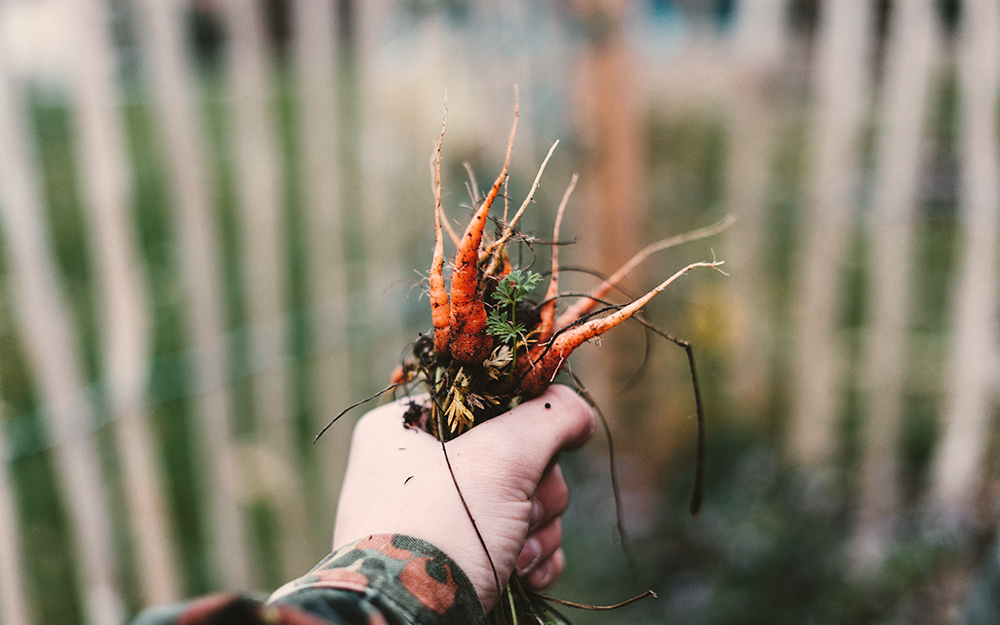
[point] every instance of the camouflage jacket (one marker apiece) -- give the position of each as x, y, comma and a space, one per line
381, 579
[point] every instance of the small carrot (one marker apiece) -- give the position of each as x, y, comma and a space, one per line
544, 365
440, 309
586, 304
546, 323
548, 312
470, 342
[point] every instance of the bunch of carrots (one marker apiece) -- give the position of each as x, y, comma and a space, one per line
493, 347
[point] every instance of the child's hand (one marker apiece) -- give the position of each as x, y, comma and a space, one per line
397, 482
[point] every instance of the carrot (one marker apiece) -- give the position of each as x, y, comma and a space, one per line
440, 309
546, 364
586, 304
548, 312
469, 341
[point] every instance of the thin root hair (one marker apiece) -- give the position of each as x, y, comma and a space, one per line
326, 427
612, 467
699, 463
587, 606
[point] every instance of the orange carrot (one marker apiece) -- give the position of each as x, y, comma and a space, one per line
548, 359
440, 309
469, 341
586, 304
548, 312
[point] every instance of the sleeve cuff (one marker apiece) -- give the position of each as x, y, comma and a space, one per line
395, 574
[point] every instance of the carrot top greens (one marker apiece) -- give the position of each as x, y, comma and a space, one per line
511, 291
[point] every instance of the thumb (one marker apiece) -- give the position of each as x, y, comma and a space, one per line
537, 430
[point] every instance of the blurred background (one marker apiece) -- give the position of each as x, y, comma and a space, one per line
215, 218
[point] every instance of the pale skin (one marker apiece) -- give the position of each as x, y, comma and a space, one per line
397, 482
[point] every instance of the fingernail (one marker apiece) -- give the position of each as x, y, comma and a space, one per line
545, 575
529, 555
536, 514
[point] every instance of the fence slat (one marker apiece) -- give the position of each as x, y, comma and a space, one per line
752, 122
761, 35
315, 45
911, 50
380, 312
912, 46
14, 608
171, 72
753, 113
264, 256
125, 333
958, 466
44, 319
840, 96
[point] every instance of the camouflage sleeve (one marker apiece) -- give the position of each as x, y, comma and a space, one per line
378, 580
394, 578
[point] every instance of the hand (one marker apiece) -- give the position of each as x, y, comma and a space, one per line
397, 482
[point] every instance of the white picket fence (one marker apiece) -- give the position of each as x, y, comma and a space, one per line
589, 75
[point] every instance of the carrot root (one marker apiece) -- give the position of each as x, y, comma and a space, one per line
548, 312
586, 304
548, 358
440, 308
469, 341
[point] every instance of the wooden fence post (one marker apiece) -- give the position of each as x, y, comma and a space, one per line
912, 47
106, 184
44, 318
264, 255
958, 465
840, 94
613, 130
315, 46
170, 69
612, 127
